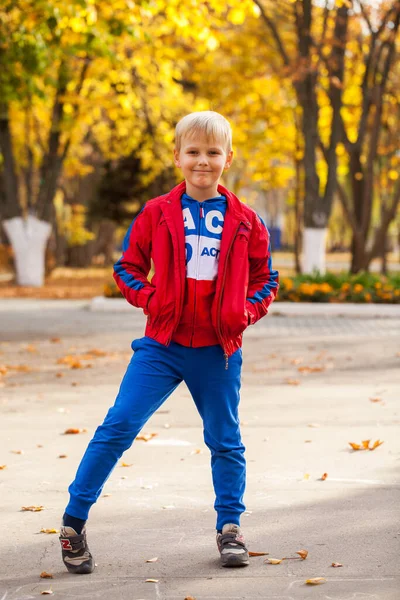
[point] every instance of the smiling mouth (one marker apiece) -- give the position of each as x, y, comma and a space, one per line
197, 171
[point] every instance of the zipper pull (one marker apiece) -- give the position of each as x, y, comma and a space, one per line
226, 361
201, 212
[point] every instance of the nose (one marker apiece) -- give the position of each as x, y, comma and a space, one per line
203, 159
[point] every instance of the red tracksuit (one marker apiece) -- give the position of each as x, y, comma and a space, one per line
245, 285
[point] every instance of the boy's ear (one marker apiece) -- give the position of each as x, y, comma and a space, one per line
229, 159
176, 158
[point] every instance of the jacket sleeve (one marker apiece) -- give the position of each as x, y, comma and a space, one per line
263, 280
132, 269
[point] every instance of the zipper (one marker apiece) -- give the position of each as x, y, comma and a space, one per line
196, 273
176, 322
226, 357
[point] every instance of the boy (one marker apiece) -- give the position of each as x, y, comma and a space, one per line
213, 278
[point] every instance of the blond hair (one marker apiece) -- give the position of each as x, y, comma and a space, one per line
207, 122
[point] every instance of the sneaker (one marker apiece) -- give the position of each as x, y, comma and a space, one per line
231, 546
75, 551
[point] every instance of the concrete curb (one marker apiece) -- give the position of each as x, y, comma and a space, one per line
286, 309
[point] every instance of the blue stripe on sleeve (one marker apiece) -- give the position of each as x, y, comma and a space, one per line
272, 284
120, 270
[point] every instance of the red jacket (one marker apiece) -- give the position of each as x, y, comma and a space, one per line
246, 284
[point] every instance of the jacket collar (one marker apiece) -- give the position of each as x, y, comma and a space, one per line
234, 204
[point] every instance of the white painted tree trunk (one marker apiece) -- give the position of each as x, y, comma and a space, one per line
28, 238
314, 248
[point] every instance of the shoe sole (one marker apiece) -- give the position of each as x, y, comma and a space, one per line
84, 569
233, 562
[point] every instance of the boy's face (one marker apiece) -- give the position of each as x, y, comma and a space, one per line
202, 162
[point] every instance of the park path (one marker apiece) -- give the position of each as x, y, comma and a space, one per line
312, 383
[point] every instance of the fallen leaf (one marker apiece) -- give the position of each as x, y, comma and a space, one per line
307, 441
124, 464
30, 348
17, 451
197, 451
258, 553
47, 592
55, 340
45, 575
168, 507
306, 476
375, 399
151, 581
365, 445
39, 445
106, 495
32, 508
292, 381
324, 476
337, 565
49, 531
314, 425
307, 370
355, 446
316, 581
152, 560
274, 561
72, 362
2, 467
62, 455
376, 444
74, 430
59, 375
190, 598
96, 352
296, 361
145, 437
302, 553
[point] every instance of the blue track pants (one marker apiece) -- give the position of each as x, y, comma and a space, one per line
152, 375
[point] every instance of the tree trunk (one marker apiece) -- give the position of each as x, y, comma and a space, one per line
314, 245
11, 206
28, 238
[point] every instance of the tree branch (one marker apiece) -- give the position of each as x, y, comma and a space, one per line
271, 26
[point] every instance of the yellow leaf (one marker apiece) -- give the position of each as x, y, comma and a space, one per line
355, 446
2, 467
274, 561
152, 560
151, 581
49, 531
45, 575
124, 464
365, 444
306, 476
324, 476
393, 175
32, 508
376, 444
316, 581
258, 553
292, 381
145, 437
74, 431
302, 553
337, 565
